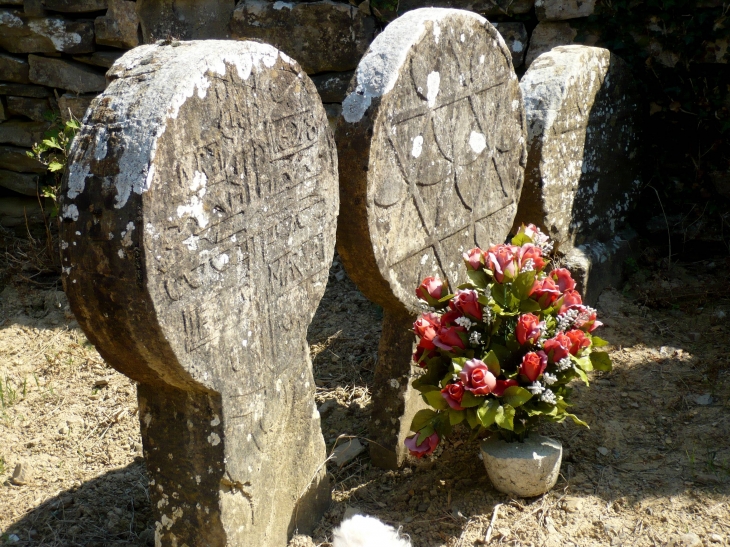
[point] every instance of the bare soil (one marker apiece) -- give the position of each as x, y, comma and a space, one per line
653, 469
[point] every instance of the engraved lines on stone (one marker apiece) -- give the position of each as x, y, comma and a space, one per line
428, 129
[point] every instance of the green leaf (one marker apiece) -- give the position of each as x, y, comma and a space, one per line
577, 420
516, 396
529, 305
55, 166
52, 143
520, 239
424, 433
490, 359
488, 412
601, 361
522, 285
598, 341
470, 400
501, 352
436, 400
582, 375
499, 293
456, 416
422, 418
479, 278
505, 417
29, 153
471, 418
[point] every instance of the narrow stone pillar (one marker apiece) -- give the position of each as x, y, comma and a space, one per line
198, 226
431, 146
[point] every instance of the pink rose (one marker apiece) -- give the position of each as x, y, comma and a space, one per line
528, 329
428, 445
533, 365
558, 347
562, 277
501, 260
453, 394
467, 302
586, 320
448, 338
570, 298
431, 290
426, 328
531, 252
474, 258
545, 291
476, 377
502, 385
578, 340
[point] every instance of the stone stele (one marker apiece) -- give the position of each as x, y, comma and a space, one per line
432, 151
583, 170
198, 226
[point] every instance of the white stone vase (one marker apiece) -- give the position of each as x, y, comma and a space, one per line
524, 469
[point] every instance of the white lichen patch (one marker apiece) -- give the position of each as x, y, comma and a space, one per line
417, 146
477, 142
70, 211
194, 207
433, 83
214, 439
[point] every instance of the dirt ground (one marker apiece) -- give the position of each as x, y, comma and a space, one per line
653, 469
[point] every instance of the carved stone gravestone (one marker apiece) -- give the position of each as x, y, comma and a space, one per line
198, 226
583, 171
431, 145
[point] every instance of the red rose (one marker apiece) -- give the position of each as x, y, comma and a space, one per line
528, 329
422, 355
578, 340
557, 347
449, 318
467, 302
476, 377
426, 328
428, 445
453, 394
448, 338
533, 365
502, 385
474, 258
562, 277
530, 252
430, 290
501, 261
570, 298
586, 320
545, 291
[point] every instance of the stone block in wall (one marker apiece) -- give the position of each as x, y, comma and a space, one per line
65, 75
14, 69
22, 183
546, 36
515, 36
20, 211
118, 28
16, 159
485, 7
34, 8
3, 115
22, 34
559, 10
28, 107
184, 19
20, 133
21, 90
75, 6
100, 58
322, 36
332, 86
76, 105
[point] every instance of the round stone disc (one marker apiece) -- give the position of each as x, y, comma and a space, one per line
432, 152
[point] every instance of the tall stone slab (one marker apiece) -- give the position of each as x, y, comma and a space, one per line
583, 171
198, 226
431, 145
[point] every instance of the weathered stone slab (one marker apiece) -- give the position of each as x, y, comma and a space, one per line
323, 36
583, 170
332, 86
24, 90
22, 183
65, 74
100, 58
21, 133
34, 8
485, 7
14, 69
3, 114
74, 105
20, 211
432, 152
16, 159
516, 37
20, 33
28, 107
184, 19
198, 226
118, 28
558, 10
546, 36
75, 6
